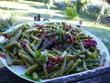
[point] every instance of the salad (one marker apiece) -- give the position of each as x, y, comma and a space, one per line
50, 50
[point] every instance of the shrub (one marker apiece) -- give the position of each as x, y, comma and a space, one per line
80, 4
45, 2
90, 11
7, 23
60, 4
71, 12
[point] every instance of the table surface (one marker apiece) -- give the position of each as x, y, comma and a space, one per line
101, 75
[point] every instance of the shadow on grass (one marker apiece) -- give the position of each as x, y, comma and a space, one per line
7, 8
45, 16
61, 12
59, 18
39, 7
102, 34
43, 7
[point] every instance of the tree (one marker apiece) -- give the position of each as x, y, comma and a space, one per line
108, 1
102, 12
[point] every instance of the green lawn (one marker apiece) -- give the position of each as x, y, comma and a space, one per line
102, 34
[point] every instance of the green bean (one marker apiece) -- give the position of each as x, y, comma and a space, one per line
69, 65
84, 37
52, 56
2, 33
34, 42
15, 51
84, 65
63, 66
33, 47
8, 59
45, 70
50, 75
81, 34
74, 65
39, 43
57, 51
27, 47
17, 35
35, 76
92, 65
64, 54
55, 74
32, 30
17, 62
69, 56
11, 45
26, 63
31, 69
27, 58
26, 35
34, 37
55, 67
24, 51
30, 50
82, 46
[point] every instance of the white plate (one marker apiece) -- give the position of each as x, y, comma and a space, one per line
19, 70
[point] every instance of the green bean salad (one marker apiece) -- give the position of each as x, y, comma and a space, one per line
50, 50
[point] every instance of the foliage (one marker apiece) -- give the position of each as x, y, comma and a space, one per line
67, 2
60, 4
11, 0
90, 11
6, 23
71, 12
80, 4
46, 2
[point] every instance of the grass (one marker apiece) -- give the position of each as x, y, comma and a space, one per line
101, 31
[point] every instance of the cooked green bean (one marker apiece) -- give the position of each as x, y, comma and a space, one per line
63, 67
11, 45
8, 59
74, 65
39, 43
17, 62
69, 65
84, 65
17, 35
30, 50
27, 58
26, 63
35, 76
55, 74
31, 69
32, 30
45, 70
35, 38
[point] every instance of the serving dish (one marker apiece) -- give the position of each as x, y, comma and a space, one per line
19, 70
